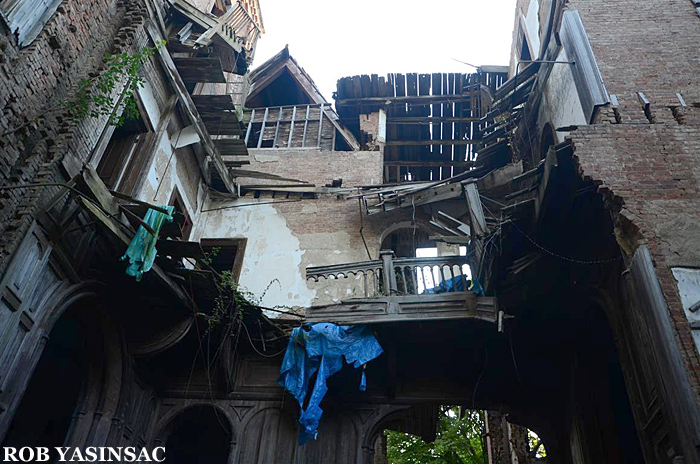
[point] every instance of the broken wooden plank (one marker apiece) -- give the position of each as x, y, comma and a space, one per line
213, 103
99, 191
476, 211
231, 147
454, 240
500, 177
462, 227
195, 70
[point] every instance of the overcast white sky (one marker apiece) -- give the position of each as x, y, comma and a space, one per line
331, 39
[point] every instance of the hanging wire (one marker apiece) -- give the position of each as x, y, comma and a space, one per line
556, 255
258, 351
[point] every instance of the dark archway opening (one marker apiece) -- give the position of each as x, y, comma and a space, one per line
45, 412
199, 435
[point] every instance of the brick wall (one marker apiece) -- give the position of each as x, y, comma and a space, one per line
654, 168
651, 160
645, 47
36, 78
320, 167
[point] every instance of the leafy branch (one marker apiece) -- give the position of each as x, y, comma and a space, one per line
95, 95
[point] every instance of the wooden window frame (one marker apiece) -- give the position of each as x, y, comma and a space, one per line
239, 243
176, 198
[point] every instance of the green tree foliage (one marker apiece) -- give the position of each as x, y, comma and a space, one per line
459, 441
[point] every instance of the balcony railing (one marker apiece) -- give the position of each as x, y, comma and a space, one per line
398, 289
302, 126
401, 276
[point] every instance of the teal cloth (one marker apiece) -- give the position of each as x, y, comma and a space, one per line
142, 249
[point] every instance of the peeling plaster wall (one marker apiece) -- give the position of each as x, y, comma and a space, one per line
168, 172
561, 105
284, 237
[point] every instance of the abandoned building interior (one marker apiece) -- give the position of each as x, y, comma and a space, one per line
521, 240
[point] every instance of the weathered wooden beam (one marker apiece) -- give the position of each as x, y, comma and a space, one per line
454, 240
463, 164
412, 99
250, 126
646, 299
476, 211
291, 127
195, 70
462, 227
231, 147
213, 103
306, 126
428, 120
430, 142
446, 306
277, 127
320, 127
262, 128
222, 123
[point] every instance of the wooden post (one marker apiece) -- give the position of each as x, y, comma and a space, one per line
291, 127
277, 128
306, 126
262, 128
390, 287
250, 127
320, 126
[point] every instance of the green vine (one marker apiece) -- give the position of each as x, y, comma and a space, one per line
95, 96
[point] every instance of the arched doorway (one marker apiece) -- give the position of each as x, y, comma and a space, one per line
68, 383
200, 434
45, 412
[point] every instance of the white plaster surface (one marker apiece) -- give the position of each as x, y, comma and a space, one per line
150, 104
689, 289
532, 27
561, 101
272, 256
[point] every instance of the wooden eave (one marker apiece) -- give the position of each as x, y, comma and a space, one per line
271, 70
211, 162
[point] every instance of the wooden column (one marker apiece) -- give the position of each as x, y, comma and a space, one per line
390, 287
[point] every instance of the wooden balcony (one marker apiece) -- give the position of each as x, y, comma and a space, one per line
404, 289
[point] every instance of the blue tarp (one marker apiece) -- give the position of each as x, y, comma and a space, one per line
321, 348
456, 284
142, 249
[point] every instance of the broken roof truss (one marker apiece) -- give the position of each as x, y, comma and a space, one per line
439, 125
